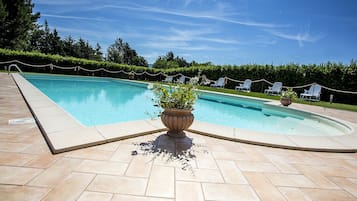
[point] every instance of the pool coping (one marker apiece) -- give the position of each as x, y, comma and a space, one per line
64, 133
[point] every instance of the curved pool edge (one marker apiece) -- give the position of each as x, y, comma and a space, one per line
64, 133
338, 144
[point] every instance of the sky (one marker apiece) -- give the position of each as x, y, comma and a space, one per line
233, 32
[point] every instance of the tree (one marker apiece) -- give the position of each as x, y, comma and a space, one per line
36, 40
121, 52
16, 23
170, 56
69, 46
116, 52
170, 61
56, 43
98, 55
46, 39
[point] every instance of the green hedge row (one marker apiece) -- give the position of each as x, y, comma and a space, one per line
333, 75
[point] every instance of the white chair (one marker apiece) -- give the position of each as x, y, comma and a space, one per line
205, 81
245, 86
168, 79
181, 80
219, 83
313, 94
275, 89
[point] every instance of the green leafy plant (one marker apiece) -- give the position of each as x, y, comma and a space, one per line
289, 94
182, 96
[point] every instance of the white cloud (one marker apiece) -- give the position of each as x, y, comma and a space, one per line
187, 2
217, 14
77, 17
61, 2
299, 37
175, 22
195, 35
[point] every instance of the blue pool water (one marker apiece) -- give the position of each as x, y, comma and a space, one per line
98, 101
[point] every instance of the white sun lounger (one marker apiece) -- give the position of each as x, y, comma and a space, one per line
168, 79
219, 83
313, 94
245, 86
181, 80
275, 89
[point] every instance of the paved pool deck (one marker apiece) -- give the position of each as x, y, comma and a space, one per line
148, 167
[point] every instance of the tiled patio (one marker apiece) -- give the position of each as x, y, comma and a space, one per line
137, 169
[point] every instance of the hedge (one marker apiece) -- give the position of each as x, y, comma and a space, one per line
334, 75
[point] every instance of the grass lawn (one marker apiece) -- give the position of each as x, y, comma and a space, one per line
339, 106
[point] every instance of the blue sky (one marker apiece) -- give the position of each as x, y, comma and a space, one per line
220, 31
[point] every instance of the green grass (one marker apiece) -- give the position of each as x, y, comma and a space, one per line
339, 106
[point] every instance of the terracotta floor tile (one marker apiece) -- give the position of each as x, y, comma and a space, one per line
140, 166
113, 146
206, 163
336, 171
199, 175
349, 185
13, 146
123, 153
90, 153
70, 188
102, 167
43, 160
119, 197
95, 196
188, 191
231, 173
328, 195
161, 182
21, 193
294, 194
228, 192
56, 173
232, 146
17, 175
38, 148
344, 156
351, 165
256, 166
230, 156
303, 159
254, 155
315, 176
263, 187
282, 165
15, 159
118, 184
290, 180
9, 134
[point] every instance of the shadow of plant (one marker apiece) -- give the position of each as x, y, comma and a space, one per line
181, 150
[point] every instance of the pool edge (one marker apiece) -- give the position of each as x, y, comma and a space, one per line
292, 142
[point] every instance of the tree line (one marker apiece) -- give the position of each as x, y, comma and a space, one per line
170, 61
19, 30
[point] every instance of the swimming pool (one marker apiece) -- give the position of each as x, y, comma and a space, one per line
98, 101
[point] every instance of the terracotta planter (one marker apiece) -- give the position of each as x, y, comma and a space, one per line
285, 101
177, 120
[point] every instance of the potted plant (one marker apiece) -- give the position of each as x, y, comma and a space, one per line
177, 104
287, 97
